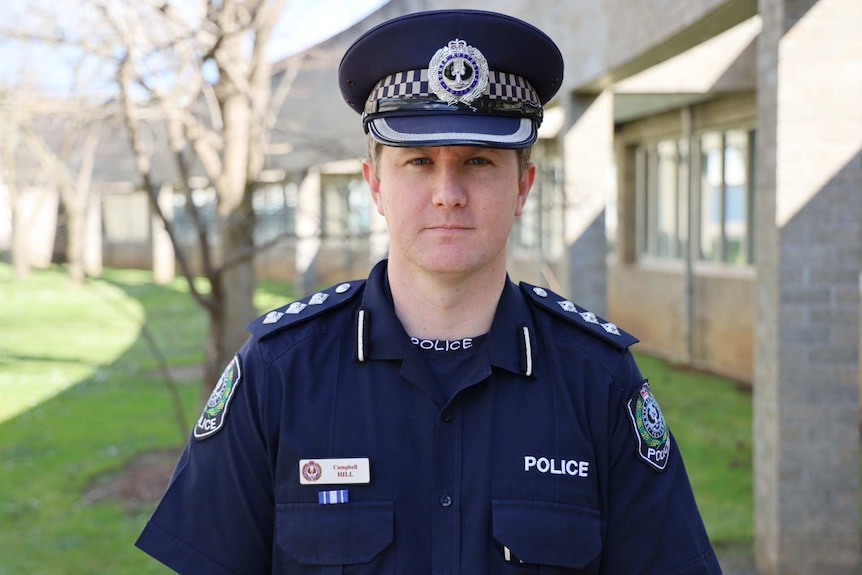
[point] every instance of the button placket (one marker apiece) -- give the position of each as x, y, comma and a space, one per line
446, 514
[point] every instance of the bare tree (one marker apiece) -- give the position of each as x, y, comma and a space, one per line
217, 122
200, 70
71, 169
31, 162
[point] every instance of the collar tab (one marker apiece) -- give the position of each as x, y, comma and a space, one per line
526, 351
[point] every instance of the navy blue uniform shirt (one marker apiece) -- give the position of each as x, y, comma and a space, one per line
550, 457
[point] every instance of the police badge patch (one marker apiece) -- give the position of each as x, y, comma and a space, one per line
213, 417
650, 428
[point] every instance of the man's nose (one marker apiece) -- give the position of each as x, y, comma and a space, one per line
449, 188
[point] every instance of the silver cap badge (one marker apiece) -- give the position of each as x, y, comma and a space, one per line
458, 73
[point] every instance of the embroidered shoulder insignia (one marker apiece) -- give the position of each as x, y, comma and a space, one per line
587, 320
213, 417
650, 428
304, 309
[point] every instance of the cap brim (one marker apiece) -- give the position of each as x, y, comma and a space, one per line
454, 130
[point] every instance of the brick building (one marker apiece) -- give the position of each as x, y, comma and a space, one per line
701, 186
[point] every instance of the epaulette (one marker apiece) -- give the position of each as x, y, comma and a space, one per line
304, 309
587, 320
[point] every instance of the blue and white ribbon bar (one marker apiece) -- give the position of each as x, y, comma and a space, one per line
331, 497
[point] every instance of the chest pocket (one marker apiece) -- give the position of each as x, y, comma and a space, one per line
343, 539
547, 538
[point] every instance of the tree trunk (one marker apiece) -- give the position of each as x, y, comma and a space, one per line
233, 294
76, 198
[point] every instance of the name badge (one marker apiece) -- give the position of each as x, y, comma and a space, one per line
334, 471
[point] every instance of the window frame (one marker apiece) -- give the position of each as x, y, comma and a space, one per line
689, 163
697, 195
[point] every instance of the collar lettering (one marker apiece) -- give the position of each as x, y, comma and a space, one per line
442, 344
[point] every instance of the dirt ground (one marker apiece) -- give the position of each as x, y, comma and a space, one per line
139, 485
142, 482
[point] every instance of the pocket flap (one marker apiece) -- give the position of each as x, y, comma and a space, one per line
334, 534
547, 533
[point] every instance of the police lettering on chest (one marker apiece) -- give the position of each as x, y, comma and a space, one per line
554, 466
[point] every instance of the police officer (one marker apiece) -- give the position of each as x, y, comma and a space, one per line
436, 417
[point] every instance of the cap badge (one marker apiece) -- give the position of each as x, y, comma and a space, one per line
457, 73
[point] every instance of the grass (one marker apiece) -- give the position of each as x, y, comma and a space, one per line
710, 418
81, 397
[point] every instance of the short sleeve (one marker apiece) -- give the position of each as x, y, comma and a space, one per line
216, 517
653, 523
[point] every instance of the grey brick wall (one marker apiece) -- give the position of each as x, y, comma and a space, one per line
809, 215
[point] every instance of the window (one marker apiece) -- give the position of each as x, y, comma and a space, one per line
662, 197
204, 201
275, 208
345, 207
539, 229
720, 191
726, 199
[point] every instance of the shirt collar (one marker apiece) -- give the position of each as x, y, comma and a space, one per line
510, 344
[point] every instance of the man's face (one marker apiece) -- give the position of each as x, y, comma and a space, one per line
449, 209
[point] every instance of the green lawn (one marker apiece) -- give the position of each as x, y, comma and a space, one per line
710, 418
82, 397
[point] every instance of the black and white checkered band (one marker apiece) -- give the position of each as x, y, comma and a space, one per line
414, 84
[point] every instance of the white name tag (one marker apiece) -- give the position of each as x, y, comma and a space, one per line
334, 471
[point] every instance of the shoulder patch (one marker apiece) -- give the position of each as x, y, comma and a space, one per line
650, 428
213, 417
587, 320
304, 309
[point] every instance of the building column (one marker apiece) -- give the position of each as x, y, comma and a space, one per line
809, 255
92, 247
164, 256
588, 152
309, 226
36, 226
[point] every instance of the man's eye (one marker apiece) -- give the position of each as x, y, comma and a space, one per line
419, 162
478, 161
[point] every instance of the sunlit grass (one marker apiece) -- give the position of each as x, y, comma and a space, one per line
57, 342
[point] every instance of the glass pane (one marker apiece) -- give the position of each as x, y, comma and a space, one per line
666, 204
268, 204
682, 194
359, 207
527, 225
710, 196
641, 196
736, 196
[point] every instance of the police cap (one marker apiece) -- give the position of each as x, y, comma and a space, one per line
452, 77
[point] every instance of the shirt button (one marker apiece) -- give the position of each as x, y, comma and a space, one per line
448, 416
445, 501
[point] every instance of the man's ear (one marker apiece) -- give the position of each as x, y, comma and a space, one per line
525, 184
368, 173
